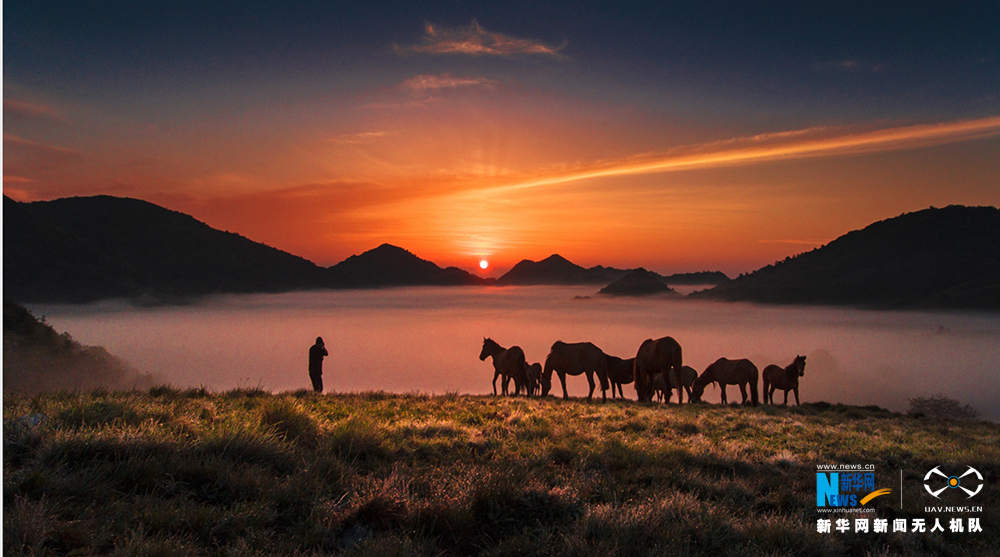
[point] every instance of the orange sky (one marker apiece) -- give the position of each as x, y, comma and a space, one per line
465, 142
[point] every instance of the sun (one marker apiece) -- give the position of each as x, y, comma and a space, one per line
484, 264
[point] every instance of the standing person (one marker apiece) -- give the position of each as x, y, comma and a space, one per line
316, 354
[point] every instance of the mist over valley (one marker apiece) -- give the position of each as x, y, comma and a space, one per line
427, 339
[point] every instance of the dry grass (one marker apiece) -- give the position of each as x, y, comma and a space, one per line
175, 472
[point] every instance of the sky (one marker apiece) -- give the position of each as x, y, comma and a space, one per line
676, 136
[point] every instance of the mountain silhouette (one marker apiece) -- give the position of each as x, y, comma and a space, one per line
638, 282
388, 265
701, 277
83, 249
556, 269
86, 248
930, 259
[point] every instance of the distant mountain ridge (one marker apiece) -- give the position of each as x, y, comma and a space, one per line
933, 259
556, 269
84, 249
89, 248
639, 282
388, 265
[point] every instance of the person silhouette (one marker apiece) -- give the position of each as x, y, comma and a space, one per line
316, 354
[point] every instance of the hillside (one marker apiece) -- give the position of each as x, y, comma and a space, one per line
556, 269
86, 248
89, 248
639, 282
388, 265
931, 259
38, 359
171, 472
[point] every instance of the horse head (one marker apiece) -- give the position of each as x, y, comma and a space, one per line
800, 364
488, 345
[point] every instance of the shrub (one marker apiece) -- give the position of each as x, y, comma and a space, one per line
940, 406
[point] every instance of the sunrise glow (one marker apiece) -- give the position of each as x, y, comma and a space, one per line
452, 134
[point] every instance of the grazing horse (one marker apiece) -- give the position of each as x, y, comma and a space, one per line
662, 391
786, 379
620, 372
728, 372
575, 359
661, 355
533, 375
508, 362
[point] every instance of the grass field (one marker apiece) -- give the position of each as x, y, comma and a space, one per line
246, 472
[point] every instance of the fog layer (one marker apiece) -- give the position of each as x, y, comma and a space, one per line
428, 340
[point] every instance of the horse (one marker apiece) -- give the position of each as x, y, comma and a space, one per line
661, 390
620, 372
786, 379
508, 362
728, 372
575, 359
533, 376
661, 355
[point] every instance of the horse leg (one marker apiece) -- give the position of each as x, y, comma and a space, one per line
722, 389
590, 379
743, 391
796, 396
562, 379
495, 375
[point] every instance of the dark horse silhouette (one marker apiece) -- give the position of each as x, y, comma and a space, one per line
728, 372
508, 362
661, 355
662, 391
620, 372
575, 359
533, 374
786, 379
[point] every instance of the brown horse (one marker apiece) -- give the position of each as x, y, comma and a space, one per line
661, 355
575, 359
507, 362
660, 389
620, 372
786, 379
533, 375
728, 372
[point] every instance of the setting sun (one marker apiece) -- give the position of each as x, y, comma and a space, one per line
484, 264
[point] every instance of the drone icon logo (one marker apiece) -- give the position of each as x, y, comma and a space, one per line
953, 482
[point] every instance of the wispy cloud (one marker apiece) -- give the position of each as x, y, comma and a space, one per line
356, 138
475, 41
33, 110
426, 83
813, 142
27, 144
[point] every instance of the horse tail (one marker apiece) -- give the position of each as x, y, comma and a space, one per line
754, 399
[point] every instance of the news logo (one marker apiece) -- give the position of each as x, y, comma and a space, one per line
850, 486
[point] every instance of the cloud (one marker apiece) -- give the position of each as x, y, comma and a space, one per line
356, 138
33, 110
475, 41
39, 148
797, 144
425, 83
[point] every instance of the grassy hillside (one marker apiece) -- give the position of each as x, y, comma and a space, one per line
169, 472
36, 358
